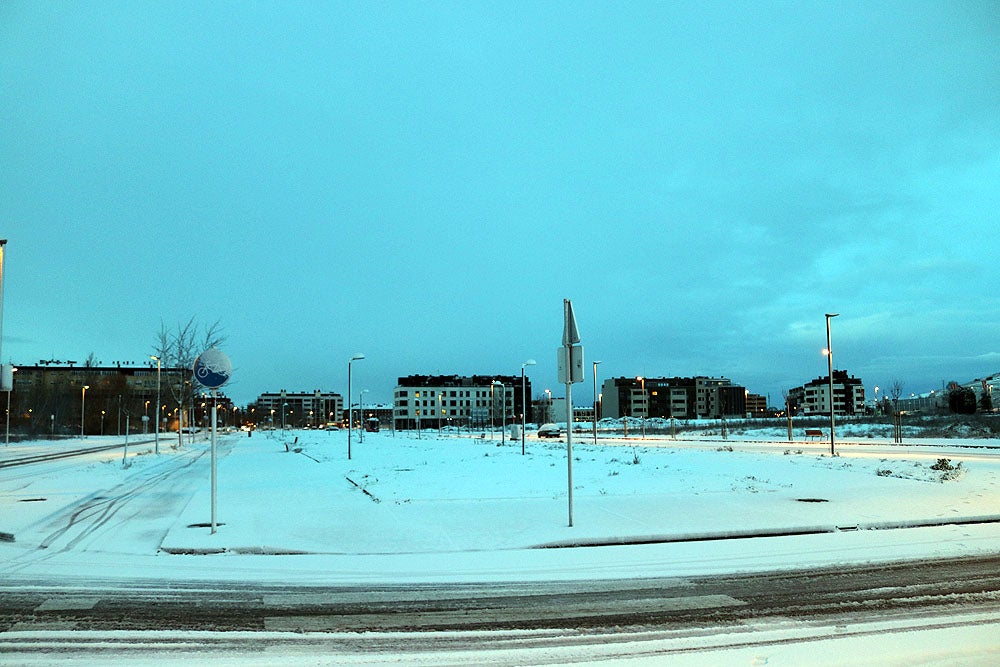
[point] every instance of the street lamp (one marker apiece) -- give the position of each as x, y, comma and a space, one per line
829, 360
284, 409
156, 438
645, 405
548, 409
524, 404
83, 407
503, 411
595, 401
361, 407
440, 411
350, 407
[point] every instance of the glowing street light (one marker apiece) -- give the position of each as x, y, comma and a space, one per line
829, 360
83, 407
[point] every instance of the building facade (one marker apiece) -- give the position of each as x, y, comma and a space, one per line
680, 397
298, 409
64, 398
813, 398
478, 401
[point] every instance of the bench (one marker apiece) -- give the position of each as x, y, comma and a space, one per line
815, 433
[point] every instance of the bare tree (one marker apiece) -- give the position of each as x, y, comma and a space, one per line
895, 391
178, 348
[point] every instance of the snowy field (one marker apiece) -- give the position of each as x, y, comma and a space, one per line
292, 508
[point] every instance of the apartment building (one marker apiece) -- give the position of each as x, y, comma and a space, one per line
477, 401
298, 409
813, 398
681, 397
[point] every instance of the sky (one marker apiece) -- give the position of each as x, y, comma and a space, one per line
426, 182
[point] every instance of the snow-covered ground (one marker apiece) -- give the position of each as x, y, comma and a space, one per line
292, 508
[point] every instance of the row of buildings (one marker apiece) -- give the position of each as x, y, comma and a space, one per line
57, 395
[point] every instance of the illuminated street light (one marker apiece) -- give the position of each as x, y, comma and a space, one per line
83, 407
829, 360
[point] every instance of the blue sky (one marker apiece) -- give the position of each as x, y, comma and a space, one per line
426, 182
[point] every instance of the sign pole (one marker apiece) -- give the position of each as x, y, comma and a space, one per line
214, 407
569, 430
212, 370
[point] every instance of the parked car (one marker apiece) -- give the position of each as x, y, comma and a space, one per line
549, 431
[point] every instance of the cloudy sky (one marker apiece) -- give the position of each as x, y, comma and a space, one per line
425, 182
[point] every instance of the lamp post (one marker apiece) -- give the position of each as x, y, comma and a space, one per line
503, 411
350, 408
524, 404
829, 360
83, 407
595, 401
361, 407
156, 438
645, 405
548, 409
440, 411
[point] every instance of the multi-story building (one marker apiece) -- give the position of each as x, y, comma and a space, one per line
65, 397
684, 398
479, 401
813, 398
298, 409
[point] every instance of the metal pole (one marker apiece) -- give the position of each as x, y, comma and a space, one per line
350, 407
569, 429
83, 409
595, 401
524, 402
156, 438
125, 455
214, 401
829, 359
350, 410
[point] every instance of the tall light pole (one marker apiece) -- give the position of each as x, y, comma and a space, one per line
350, 407
83, 407
595, 401
156, 438
548, 409
645, 405
361, 407
503, 411
524, 404
829, 360
440, 411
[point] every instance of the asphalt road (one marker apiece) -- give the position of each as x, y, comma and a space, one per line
832, 594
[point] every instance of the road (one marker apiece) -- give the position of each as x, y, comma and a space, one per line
582, 616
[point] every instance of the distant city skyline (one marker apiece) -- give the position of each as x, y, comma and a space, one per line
426, 182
